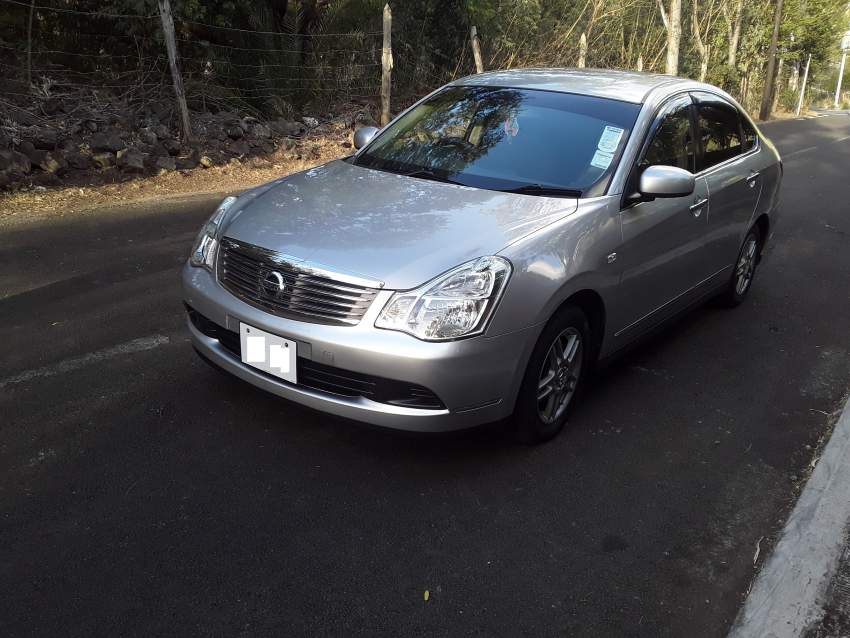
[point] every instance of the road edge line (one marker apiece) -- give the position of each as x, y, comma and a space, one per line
788, 595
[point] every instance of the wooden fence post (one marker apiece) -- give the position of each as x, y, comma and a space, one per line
476, 50
582, 51
386, 66
171, 46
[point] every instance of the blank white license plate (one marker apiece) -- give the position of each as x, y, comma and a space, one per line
268, 352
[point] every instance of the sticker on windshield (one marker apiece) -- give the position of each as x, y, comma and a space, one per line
610, 139
511, 127
601, 159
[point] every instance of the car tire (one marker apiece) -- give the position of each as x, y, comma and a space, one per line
563, 352
744, 271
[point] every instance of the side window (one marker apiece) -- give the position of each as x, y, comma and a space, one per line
719, 129
672, 144
750, 136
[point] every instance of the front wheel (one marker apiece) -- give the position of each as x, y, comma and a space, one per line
745, 269
553, 377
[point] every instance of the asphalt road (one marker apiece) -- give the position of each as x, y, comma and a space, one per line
144, 494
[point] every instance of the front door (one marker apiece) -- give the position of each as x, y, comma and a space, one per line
661, 258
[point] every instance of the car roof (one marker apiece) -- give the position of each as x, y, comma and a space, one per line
627, 86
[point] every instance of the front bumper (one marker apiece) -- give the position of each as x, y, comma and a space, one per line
476, 379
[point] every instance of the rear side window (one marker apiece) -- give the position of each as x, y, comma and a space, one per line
672, 144
720, 133
749, 134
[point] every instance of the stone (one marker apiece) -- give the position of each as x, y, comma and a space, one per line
111, 142
161, 131
240, 147
171, 146
165, 163
186, 163
14, 162
261, 131
27, 148
79, 161
147, 136
286, 127
91, 126
44, 138
235, 132
131, 161
68, 144
310, 122
205, 161
51, 163
103, 160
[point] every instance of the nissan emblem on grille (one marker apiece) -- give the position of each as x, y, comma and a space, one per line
274, 284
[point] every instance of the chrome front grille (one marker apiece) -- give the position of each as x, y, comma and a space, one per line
290, 288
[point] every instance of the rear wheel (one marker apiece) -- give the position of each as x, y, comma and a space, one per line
745, 270
554, 377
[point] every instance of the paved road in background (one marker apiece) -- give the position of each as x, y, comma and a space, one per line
144, 494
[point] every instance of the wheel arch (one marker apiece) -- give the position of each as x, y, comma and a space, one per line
593, 306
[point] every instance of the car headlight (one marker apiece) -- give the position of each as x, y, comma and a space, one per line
203, 252
456, 304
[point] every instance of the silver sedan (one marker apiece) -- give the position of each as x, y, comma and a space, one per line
477, 256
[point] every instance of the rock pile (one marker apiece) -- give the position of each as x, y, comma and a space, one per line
91, 149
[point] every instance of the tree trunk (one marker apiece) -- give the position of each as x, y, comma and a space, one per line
674, 36
770, 76
701, 47
794, 77
735, 35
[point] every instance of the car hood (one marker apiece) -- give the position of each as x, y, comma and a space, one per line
400, 230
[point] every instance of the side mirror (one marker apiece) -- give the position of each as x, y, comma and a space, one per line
364, 135
666, 181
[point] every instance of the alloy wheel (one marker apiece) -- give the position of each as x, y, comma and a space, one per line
746, 266
559, 375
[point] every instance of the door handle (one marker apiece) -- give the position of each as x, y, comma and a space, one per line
696, 208
752, 177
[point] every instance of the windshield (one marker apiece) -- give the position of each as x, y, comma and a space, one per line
522, 140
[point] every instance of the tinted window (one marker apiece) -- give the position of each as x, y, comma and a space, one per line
505, 138
720, 132
749, 134
672, 144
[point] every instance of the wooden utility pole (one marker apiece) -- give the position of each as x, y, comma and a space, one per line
29, 45
476, 49
803, 88
171, 47
770, 76
386, 66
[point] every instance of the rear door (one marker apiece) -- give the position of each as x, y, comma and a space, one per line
727, 161
662, 256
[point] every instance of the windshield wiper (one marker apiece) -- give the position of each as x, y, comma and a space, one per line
427, 173
545, 191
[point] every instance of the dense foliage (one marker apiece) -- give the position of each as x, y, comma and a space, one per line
272, 54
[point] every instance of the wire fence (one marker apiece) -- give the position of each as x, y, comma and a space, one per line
52, 54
